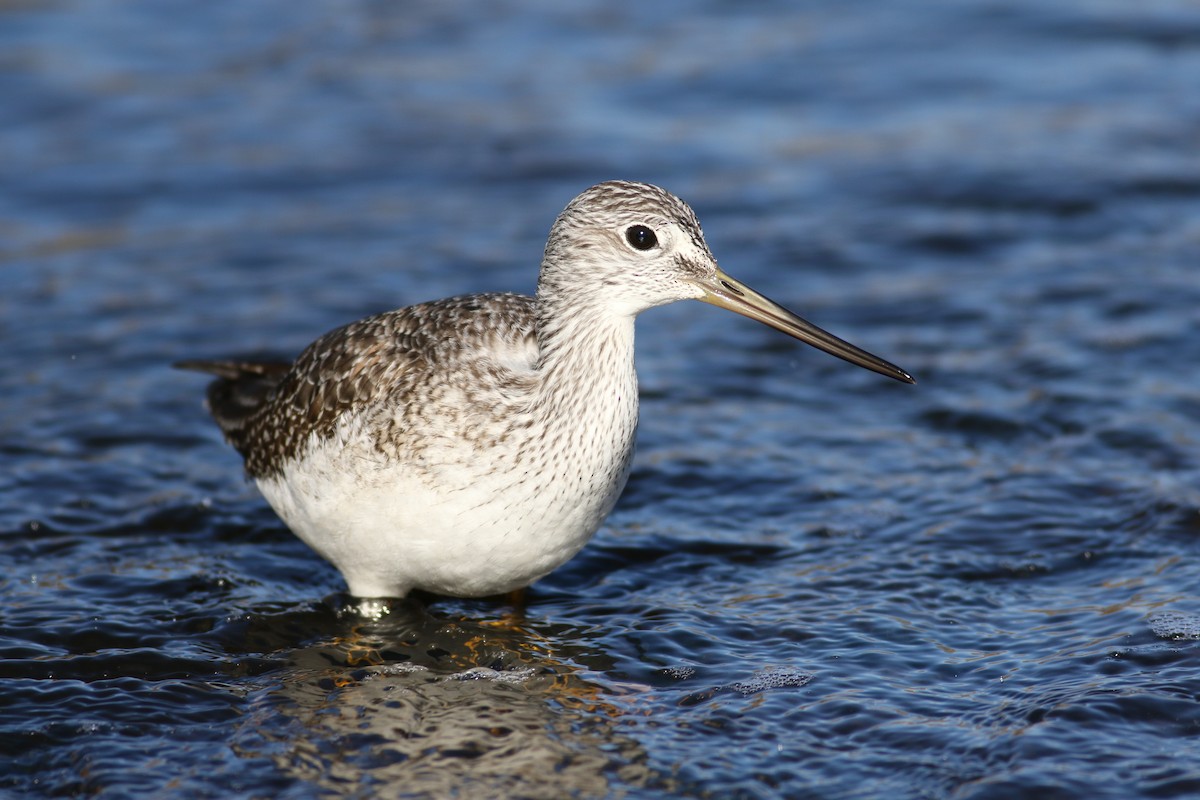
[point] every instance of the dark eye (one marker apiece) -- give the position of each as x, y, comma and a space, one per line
641, 237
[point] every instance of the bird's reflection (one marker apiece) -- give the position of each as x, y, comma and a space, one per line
439, 705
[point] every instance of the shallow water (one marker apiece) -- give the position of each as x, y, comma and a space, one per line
818, 584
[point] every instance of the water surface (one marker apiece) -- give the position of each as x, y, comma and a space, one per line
818, 584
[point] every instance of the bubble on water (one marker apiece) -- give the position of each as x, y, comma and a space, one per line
401, 668
759, 682
1176, 625
472, 674
771, 679
488, 674
680, 673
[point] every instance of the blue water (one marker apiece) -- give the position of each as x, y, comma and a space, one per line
818, 584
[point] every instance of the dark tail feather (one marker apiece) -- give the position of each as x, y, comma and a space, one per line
232, 370
240, 389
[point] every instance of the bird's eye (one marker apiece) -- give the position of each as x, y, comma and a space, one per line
641, 237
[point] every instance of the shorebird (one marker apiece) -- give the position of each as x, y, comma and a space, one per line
470, 446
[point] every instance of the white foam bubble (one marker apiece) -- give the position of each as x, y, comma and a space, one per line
771, 679
1176, 625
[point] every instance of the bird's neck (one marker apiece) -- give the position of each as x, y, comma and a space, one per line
587, 385
586, 362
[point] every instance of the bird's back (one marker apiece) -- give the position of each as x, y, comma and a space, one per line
269, 410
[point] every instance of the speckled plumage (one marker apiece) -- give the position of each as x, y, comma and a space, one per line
398, 360
469, 446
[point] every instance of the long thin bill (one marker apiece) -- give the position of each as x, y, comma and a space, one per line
732, 294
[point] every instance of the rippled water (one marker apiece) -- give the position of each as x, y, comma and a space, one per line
818, 584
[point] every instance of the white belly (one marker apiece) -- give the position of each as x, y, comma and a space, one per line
466, 527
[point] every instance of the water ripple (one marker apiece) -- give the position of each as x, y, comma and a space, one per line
816, 584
